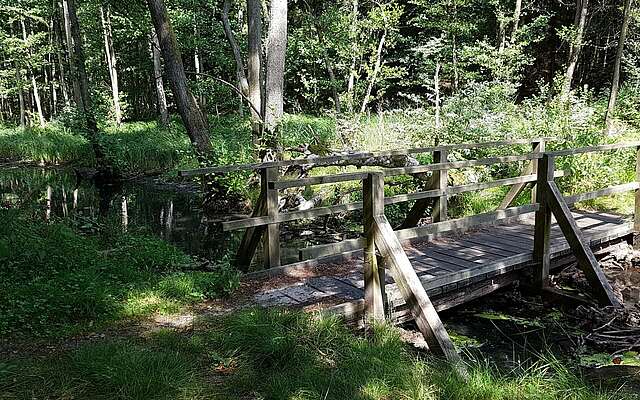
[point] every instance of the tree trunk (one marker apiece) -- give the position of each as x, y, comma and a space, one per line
274, 83
576, 45
157, 78
59, 46
23, 111
188, 108
80, 76
353, 36
516, 20
376, 70
77, 95
34, 84
110, 53
615, 84
254, 64
237, 55
436, 88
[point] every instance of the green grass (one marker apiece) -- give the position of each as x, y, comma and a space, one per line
278, 355
55, 279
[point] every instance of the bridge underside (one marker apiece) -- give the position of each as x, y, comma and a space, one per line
453, 270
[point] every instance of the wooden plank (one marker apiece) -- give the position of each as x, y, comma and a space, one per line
627, 187
542, 228
290, 216
374, 279
325, 250
592, 149
465, 223
319, 180
495, 247
413, 292
352, 156
251, 238
636, 209
441, 177
272, 234
512, 243
580, 246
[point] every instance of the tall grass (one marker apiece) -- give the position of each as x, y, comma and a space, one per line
281, 355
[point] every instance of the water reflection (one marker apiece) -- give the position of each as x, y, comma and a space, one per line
171, 212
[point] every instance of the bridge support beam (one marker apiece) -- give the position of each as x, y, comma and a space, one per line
374, 271
553, 203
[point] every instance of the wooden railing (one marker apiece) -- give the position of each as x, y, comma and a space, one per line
265, 221
382, 246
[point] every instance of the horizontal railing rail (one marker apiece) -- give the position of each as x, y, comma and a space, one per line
438, 190
319, 161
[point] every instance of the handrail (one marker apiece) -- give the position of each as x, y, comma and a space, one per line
592, 149
355, 156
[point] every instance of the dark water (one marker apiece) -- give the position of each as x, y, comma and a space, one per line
172, 212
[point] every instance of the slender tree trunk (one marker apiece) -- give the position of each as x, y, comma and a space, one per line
188, 108
274, 83
105, 15
436, 89
237, 55
34, 84
516, 20
157, 77
77, 94
59, 40
23, 112
254, 65
615, 84
376, 70
576, 45
353, 36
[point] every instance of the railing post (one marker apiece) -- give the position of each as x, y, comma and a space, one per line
271, 244
536, 147
636, 216
441, 178
374, 274
541, 243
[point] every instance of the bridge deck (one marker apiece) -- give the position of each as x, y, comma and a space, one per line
453, 269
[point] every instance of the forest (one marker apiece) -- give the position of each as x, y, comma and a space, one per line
303, 199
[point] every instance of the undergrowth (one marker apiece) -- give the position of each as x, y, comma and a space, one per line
280, 355
55, 279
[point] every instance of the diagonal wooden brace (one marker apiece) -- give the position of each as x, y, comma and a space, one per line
413, 292
579, 245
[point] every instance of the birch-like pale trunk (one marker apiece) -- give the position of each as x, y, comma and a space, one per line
34, 83
110, 54
615, 83
157, 77
254, 65
376, 70
580, 23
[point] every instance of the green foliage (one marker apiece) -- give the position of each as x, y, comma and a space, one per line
50, 145
53, 279
280, 355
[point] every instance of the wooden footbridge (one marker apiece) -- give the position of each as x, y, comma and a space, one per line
414, 271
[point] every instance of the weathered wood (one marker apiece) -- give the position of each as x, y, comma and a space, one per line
592, 149
290, 216
586, 260
374, 282
465, 223
441, 177
352, 156
626, 187
636, 217
358, 176
542, 230
413, 292
272, 233
532, 169
252, 237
